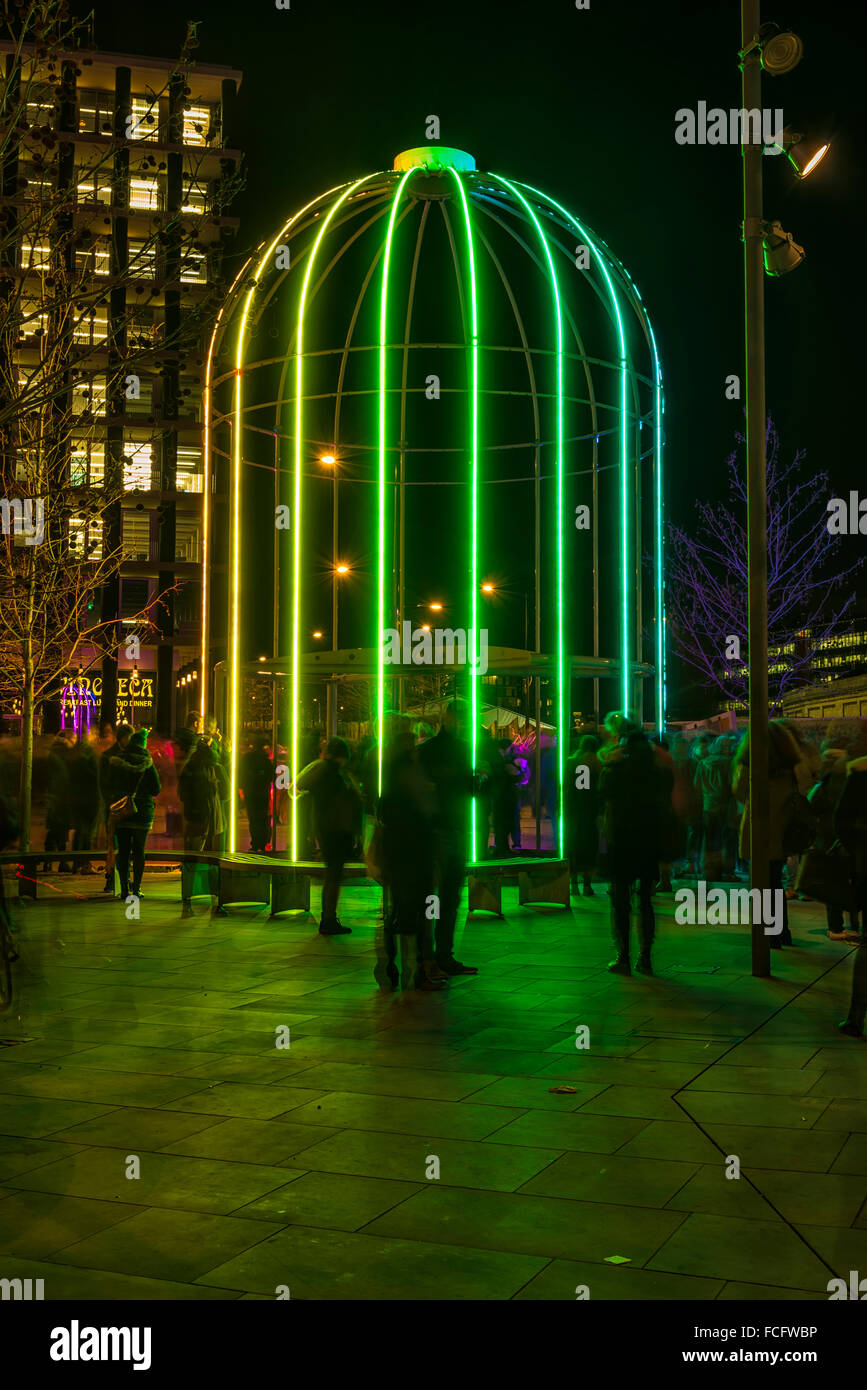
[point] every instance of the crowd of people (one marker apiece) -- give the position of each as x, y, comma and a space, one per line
639, 812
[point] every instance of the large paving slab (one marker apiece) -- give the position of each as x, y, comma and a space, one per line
450, 1146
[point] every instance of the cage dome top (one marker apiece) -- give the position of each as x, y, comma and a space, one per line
434, 157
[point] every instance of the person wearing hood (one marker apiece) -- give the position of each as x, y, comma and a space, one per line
136, 766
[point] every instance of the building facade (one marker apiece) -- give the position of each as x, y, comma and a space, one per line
137, 158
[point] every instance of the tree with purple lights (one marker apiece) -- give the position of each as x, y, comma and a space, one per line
706, 589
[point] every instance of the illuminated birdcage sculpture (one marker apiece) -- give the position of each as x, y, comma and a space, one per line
435, 360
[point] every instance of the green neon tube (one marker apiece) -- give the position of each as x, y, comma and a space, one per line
236, 421
473, 645
297, 513
562, 724
626, 636
383, 339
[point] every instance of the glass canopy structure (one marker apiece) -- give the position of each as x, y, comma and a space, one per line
434, 360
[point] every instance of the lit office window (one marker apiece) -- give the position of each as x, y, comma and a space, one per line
144, 194
145, 124
136, 536
91, 328
138, 463
95, 112
87, 463
85, 538
188, 477
194, 270
186, 541
34, 255
197, 122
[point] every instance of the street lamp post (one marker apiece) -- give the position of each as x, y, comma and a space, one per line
757, 554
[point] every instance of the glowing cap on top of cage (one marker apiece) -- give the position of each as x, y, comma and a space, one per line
481, 374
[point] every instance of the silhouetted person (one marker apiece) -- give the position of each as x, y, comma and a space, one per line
256, 778
850, 822
446, 763
582, 812
336, 815
199, 791
61, 756
112, 788
405, 813
84, 796
635, 796
143, 785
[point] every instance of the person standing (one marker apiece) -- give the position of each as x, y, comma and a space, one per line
199, 792
57, 798
635, 799
581, 795
786, 775
256, 782
445, 761
850, 823
84, 796
713, 780
336, 822
112, 788
405, 813
132, 832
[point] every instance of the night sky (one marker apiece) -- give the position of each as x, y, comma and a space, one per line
582, 104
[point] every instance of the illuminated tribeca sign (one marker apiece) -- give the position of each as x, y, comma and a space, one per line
593, 392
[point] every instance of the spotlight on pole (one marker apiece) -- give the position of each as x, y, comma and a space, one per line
803, 153
782, 253
781, 51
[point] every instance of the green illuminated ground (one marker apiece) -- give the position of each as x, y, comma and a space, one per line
307, 1167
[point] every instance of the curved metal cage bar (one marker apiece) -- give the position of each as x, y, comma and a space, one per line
404, 287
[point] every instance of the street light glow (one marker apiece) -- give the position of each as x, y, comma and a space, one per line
342, 569
328, 458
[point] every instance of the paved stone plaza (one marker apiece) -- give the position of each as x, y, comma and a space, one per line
314, 1168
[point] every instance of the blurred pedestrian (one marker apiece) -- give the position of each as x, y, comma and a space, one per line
57, 798
713, 780
337, 811
635, 797
112, 789
256, 780
582, 813
445, 760
132, 832
784, 780
84, 796
405, 814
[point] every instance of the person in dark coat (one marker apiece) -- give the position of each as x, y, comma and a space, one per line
84, 797
635, 797
445, 761
850, 823
199, 790
143, 784
336, 822
113, 787
405, 812
57, 798
582, 813
256, 780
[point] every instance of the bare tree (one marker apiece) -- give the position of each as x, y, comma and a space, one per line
80, 343
706, 580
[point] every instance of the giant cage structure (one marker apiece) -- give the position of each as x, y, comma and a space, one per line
434, 366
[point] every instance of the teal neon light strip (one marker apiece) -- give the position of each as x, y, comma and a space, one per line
473, 645
626, 633
563, 722
297, 519
383, 339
